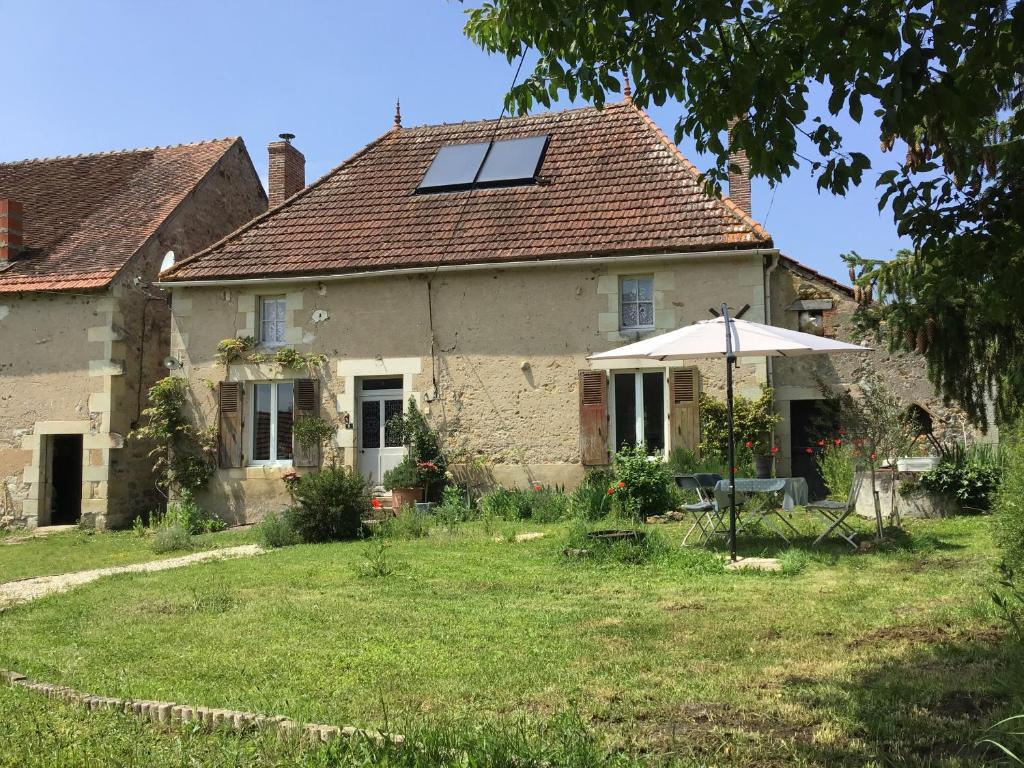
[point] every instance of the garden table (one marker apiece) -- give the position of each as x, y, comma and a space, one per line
794, 494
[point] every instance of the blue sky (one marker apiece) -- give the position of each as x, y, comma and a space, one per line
88, 77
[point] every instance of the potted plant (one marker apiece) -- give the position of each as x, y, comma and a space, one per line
403, 480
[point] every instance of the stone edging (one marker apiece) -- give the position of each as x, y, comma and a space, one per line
169, 713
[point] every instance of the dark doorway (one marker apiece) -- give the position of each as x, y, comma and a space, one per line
66, 480
810, 421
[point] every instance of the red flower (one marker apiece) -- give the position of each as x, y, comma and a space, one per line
821, 442
621, 484
611, 491
837, 441
536, 488
749, 443
874, 456
775, 449
735, 470
809, 450
375, 503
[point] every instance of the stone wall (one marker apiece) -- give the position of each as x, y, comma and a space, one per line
81, 364
509, 344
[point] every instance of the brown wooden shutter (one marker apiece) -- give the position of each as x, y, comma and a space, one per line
593, 418
307, 403
684, 408
229, 406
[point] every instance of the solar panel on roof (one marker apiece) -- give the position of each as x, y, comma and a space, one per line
459, 166
513, 160
455, 165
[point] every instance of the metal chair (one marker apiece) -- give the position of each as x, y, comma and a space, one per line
704, 511
834, 513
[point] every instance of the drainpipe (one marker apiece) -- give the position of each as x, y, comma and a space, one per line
771, 262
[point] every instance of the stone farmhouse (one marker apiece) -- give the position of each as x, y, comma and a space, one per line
474, 267
83, 332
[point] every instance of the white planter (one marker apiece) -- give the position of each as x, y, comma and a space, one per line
917, 463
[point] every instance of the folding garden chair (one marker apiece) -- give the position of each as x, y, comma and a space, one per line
705, 513
834, 513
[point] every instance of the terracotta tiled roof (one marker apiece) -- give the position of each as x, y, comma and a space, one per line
86, 216
611, 183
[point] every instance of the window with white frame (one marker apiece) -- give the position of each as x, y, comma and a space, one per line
638, 408
636, 302
272, 415
272, 309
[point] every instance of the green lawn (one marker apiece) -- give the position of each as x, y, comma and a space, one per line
80, 550
892, 657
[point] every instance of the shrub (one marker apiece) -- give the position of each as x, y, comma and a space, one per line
172, 538
424, 445
454, 508
402, 475
276, 531
753, 421
186, 513
970, 483
505, 504
548, 505
1009, 503
590, 499
329, 505
837, 470
643, 487
407, 524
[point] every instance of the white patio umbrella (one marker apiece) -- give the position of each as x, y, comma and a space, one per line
728, 338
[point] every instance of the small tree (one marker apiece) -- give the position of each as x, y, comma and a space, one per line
424, 446
881, 428
316, 432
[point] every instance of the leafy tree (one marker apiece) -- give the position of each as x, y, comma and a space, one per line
944, 80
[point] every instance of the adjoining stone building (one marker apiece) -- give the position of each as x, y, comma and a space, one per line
475, 267
83, 331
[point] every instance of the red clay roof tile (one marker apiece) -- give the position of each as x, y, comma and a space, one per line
611, 183
86, 216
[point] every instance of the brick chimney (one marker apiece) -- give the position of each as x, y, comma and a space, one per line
287, 170
739, 182
12, 239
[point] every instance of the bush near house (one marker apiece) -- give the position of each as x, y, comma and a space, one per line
329, 505
643, 484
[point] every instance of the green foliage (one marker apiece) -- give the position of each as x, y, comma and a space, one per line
794, 561
329, 505
590, 500
970, 483
1009, 600
313, 432
243, 349
684, 462
376, 564
405, 474
231, 350
838, 466
276, 531
186, 513
1009, 501
877, 422
424, 446
542, 504
184, 457
943, 81
407, 524
172, 538
753, 421
647, 546
643, 483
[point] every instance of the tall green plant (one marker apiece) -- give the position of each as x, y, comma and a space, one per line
837, 466
424, 444
643, 486
753, 421
184, 456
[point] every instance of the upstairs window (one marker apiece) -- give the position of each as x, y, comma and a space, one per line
636, 303
271, 323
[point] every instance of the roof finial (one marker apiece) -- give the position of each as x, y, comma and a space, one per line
627, 92
398, 113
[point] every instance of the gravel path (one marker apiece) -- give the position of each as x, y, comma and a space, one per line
32, 589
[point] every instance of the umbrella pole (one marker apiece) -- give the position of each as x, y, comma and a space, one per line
730, 361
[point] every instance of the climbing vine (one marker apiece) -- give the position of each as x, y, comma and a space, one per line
243, 349
184, 457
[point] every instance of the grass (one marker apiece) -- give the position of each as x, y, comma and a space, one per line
891, 657
84, 549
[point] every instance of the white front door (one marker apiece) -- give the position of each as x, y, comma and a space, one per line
380, 448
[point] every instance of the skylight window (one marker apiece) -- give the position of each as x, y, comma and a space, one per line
489, 164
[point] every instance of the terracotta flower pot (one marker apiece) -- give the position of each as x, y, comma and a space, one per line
405, 497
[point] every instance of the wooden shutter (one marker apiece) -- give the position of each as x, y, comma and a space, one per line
684, 408
593, 418
229, 406
307, 403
